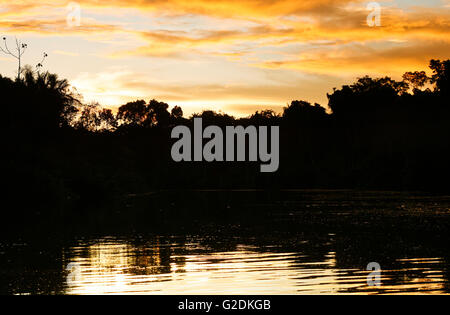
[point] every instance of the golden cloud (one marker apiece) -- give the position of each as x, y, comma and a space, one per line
332, 35
278, 22
365, 60
56, 27
222, 8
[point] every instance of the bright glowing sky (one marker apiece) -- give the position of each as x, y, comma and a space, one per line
232, 55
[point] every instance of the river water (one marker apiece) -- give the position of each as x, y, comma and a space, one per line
315, 243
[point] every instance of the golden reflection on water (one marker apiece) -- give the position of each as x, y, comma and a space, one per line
110, 266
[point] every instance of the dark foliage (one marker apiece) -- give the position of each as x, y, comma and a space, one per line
380, 134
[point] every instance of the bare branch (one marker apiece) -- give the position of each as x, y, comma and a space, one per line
24, 47
8, 52
41, 64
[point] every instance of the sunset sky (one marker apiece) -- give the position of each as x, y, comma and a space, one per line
237, 56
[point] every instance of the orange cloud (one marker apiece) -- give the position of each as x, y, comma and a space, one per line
346, 26
221, 8
117, 87
277, 23
291, 36
365, 60
56, 27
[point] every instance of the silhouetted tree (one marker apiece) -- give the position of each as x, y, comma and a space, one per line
89, 118
42, 100
108, 119
20, 50
264, 117
365, 97
211, 117
376, 135
416, 79
301, 112
176, 112
133, 113
441, 76
158, 115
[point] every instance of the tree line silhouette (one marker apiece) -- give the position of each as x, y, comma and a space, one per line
379, 134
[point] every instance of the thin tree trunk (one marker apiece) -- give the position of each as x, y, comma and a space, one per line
18, 70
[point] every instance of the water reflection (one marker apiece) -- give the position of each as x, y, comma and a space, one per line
298, 242
171, 266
